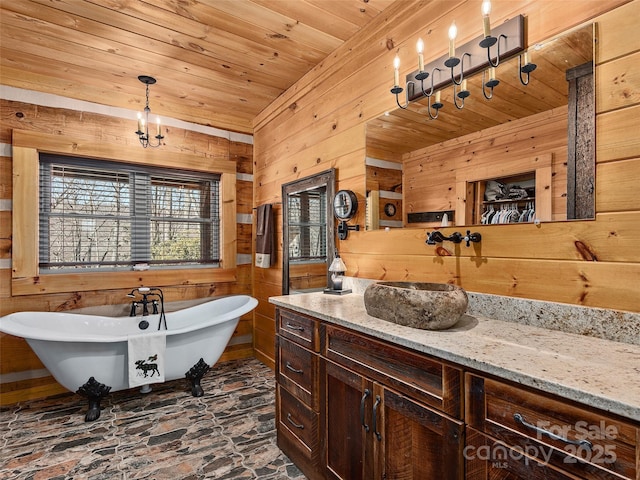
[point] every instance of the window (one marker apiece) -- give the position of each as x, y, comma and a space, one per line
100, 214
308, 225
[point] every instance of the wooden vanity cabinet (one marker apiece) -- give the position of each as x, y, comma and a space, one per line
352, 407
530, 434
380, 411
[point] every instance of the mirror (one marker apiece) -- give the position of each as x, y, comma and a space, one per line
533, 143
308, 233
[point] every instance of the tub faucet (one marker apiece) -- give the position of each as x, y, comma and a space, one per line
145, 309
147, 292
144, 302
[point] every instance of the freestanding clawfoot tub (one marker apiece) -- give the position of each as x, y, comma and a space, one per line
87, 354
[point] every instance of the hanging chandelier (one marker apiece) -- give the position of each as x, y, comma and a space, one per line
477, 54
143, 119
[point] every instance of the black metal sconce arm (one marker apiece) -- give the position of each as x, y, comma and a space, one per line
343, 229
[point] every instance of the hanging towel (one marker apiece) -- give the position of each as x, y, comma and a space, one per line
265, 231
146, 358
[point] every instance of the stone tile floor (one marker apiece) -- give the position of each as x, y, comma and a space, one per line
229, 433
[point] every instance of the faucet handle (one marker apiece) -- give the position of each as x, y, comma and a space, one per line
472, 237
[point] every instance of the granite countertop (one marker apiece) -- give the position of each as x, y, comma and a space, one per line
601, 373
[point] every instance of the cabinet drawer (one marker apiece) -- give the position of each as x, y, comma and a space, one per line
487, 459
298, 328
430, 381
585, 442
297, 421
298, 371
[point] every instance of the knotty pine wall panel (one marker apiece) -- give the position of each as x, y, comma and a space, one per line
15, 354
619, 83
431, 173
617, 186
6, 188
553, 261
548, 241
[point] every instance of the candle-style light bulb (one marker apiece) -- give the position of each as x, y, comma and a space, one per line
139, 121
396, 73
420, 49
438, 95
453, 33
492, 73
158, 129
526, 57
486, 11
463, 87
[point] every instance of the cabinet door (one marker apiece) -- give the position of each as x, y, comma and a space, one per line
346, 412
419, 443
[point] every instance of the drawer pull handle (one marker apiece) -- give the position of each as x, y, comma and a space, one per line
583, 443
294, 370
294, 327
297, 425
364, 397
375, 417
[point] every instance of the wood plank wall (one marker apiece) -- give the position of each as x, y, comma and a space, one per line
15, 354
431, 173
320, 123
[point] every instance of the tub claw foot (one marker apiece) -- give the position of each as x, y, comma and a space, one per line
194, 375
95, 392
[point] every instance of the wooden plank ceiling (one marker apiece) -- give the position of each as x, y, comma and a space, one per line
217, 62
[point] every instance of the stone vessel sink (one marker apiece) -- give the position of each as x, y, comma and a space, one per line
428, 306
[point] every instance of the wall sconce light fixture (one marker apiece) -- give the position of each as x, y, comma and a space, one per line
476, 55
143, 119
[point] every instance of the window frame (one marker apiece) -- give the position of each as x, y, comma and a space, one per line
305, 226
26, 277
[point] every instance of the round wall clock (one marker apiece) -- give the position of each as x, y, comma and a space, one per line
389, 209
345, 204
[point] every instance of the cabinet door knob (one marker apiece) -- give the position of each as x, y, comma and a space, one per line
364, 397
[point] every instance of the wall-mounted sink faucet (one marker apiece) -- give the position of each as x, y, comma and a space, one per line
436, 237
456, 237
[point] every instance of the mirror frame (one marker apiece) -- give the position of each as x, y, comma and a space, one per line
326, 179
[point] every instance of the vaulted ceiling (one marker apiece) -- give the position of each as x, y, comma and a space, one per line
216, 62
